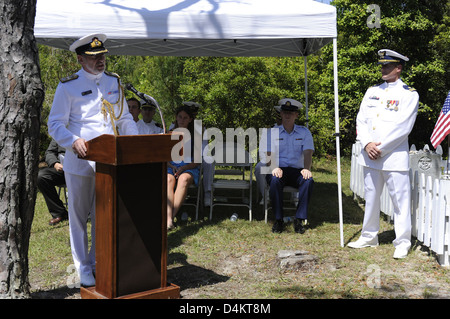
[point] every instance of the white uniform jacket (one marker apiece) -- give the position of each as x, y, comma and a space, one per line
387, 115
77, 112
148, 128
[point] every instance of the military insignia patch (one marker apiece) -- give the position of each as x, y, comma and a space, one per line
69, 78
112, 74
96, 43
406, 87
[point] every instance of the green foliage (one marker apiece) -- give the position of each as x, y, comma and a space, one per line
238, 92
241, 92
411, 27
55, 64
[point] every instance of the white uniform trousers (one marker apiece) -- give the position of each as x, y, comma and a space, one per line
399, 188
260, 178
208, 175
81, 200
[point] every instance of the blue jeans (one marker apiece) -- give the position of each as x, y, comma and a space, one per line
291, 177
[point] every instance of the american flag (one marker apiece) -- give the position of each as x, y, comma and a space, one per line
442, 127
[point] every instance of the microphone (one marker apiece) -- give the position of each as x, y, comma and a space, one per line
149, 100
131, 88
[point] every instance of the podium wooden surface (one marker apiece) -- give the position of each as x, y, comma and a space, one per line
131, 216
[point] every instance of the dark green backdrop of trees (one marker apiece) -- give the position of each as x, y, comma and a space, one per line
241, 91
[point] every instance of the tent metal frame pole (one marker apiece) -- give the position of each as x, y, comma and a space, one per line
305, 59
338, 150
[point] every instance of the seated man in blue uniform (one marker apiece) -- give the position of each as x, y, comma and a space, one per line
289, 156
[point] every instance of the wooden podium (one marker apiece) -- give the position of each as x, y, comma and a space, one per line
131, 222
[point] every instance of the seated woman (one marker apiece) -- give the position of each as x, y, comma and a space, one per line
181, 174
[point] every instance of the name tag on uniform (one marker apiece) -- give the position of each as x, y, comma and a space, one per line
299, 139
86, 92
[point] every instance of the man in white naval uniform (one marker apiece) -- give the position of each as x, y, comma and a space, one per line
385, 119
147, 125
86, 105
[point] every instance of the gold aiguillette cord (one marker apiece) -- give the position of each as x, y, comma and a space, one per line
108, 108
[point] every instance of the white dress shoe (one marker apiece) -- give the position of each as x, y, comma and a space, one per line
362, 243
400, 252
87, 280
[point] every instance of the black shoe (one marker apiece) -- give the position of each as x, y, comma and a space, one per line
278, 226
57, 220
298, 226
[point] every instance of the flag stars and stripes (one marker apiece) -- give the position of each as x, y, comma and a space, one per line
442, 127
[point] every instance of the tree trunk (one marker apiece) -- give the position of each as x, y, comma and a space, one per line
21, 97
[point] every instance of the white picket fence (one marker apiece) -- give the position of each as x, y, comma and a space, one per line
430, 206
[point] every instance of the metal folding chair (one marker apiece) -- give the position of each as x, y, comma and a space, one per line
291, 201
195, 194
231, 175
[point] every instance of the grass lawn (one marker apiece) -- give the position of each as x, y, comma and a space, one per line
219, 258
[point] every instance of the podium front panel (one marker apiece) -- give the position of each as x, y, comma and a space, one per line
139, 231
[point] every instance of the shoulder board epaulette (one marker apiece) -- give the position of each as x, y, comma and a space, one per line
406, 87
69, 78
157, 124
112, 74
374, 86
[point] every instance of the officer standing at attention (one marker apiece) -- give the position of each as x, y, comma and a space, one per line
385, 119
87, 104
290, 161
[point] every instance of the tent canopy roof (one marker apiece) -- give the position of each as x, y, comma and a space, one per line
190, 27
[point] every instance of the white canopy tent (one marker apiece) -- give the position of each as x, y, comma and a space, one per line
197, 28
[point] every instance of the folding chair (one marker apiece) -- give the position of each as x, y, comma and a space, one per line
292, 199
195, 193
63, 188
237, 166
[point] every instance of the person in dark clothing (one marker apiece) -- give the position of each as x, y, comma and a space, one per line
48, 178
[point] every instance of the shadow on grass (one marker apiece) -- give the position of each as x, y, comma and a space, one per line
56, 293
296, 292
188, 275
191, 276
323, 208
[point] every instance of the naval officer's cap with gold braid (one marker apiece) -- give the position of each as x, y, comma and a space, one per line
389, 56
91, 44
289, 105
